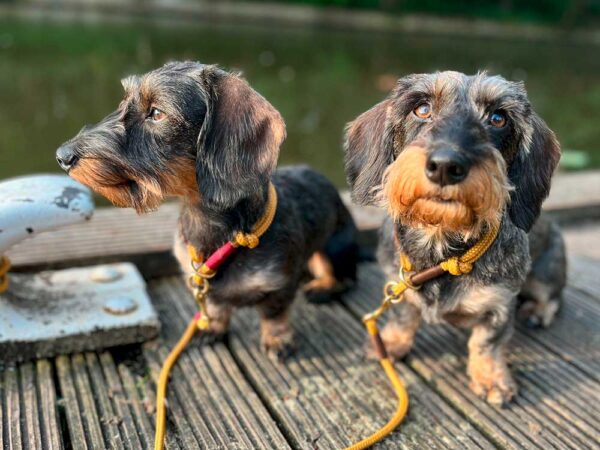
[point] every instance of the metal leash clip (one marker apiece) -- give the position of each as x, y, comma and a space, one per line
393, 294
405, 277
198, 282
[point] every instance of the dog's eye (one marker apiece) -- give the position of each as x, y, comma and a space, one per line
423, 111
497, 119
156, 115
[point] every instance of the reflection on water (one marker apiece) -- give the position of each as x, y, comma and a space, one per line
55, 78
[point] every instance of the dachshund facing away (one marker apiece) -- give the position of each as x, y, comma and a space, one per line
199, 133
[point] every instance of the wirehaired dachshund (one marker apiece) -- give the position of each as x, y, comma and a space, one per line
200, 133
450, 156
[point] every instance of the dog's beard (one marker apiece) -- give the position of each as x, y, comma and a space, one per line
127, 189
115, 185
463, 208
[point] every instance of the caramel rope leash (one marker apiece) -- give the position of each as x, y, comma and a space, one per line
393, 293
4, 268
199, 282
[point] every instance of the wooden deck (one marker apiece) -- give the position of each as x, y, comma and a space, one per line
230, 396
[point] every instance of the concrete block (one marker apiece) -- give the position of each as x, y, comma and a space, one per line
73, 310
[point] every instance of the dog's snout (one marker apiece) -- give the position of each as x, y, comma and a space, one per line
446, 166
66, 157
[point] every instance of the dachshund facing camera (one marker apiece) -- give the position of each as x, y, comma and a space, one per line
197, 132
453, 156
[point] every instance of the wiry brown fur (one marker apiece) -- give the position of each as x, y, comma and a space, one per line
415, 201
204, 135
475, 157
143, 194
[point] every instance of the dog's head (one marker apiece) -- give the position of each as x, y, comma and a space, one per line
452, 151
185, 129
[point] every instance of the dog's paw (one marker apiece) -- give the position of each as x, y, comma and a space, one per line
499, 392
397, 341
539, 315
278, 347
210, 337
492, 381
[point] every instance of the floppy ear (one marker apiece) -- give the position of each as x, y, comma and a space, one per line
531, 173
239, 142
369, 149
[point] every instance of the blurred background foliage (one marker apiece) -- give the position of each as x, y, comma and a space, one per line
565, 13
57, 75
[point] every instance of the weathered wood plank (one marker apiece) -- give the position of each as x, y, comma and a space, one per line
90, 411
108, 420
28, 418
112, 234
209, 398
50, 423
120, 404
3, 438
328, 396
70, 403
32, 438
584, 275
14, 437
574, 334
140, 400
546, 413
583, 240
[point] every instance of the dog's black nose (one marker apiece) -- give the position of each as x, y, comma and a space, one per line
445, 166
65, 155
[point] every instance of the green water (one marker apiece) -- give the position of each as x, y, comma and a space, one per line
55, 78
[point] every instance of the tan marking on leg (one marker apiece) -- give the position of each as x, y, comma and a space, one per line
321, 269
490, 376
277, 336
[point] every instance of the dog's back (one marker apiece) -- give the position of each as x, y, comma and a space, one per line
541, 293
326, 222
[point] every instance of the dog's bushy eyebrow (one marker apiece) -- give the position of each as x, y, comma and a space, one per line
412, 90
440, 86
130, 83
498, 92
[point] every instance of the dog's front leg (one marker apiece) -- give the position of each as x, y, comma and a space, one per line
398, 334
276, 334
220, 317
490, 376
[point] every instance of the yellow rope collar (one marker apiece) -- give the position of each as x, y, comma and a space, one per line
251, 239
457, 265
464, 264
